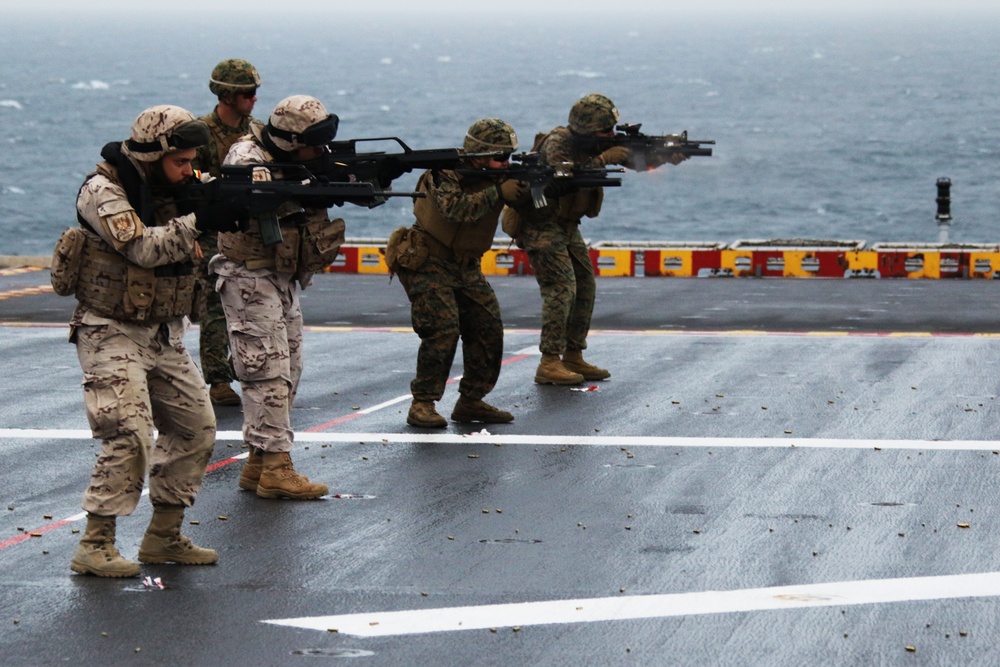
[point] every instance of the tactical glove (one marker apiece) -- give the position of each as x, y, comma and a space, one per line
219, 216
560, 187
512, 191
389, 170
614, 155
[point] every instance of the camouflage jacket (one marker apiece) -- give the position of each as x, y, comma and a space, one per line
557, 147
213, 154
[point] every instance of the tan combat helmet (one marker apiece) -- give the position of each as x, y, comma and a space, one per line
164, 129
592, 114
233, 76
490, 135
301, 120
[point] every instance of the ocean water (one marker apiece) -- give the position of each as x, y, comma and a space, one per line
826, 128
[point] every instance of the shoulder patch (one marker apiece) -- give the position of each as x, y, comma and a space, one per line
123, 226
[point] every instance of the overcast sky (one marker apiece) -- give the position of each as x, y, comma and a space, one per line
510, 8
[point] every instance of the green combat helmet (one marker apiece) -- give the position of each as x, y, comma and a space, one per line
233, 76
164, 129
490, 135
592, 114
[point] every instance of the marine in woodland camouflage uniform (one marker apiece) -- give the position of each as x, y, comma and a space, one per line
449, 296
133, 275
257, 285
235, 83
559, 257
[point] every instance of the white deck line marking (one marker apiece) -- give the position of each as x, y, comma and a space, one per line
386, 404
838, 594
563, 440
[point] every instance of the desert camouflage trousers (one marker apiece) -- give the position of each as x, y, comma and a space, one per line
213, 342
565, 276
265, 335
128, 388
451, 300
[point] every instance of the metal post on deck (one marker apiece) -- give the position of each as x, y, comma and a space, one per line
943, 216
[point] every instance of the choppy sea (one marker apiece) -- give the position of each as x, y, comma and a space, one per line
826, 128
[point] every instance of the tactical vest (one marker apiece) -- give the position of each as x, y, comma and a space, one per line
462, 240
114, 287
248, 247
569, 209
223, 137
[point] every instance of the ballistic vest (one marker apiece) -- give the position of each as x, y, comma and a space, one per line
464, 240
114, 287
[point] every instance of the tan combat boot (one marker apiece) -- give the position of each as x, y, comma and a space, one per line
222, 394
278, 479
551, 371
163, 542
250, 476
573, 361
423, 414
96, 553
469, 410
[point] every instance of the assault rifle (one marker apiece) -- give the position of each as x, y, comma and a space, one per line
342, 159
655, 150
564, 177
250, 187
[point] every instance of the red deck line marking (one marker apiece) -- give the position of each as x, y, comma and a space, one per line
354, 415
31, 533
223, 463
517, 358
334, 422
17, 539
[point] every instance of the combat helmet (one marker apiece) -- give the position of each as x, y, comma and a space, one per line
233, 76
301, 120
164, 129
592, 114
490, 135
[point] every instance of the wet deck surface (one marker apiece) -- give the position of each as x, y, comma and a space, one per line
778, 472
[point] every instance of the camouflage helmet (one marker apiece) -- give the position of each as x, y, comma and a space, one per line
233, 76
490, 135
164, 129
592, 114
301, 120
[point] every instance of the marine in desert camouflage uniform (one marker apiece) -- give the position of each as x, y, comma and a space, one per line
133, 275
257, 285
234, 82
449, 296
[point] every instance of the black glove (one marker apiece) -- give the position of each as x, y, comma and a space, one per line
220, 216
560, 187
389, 170
315, 201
